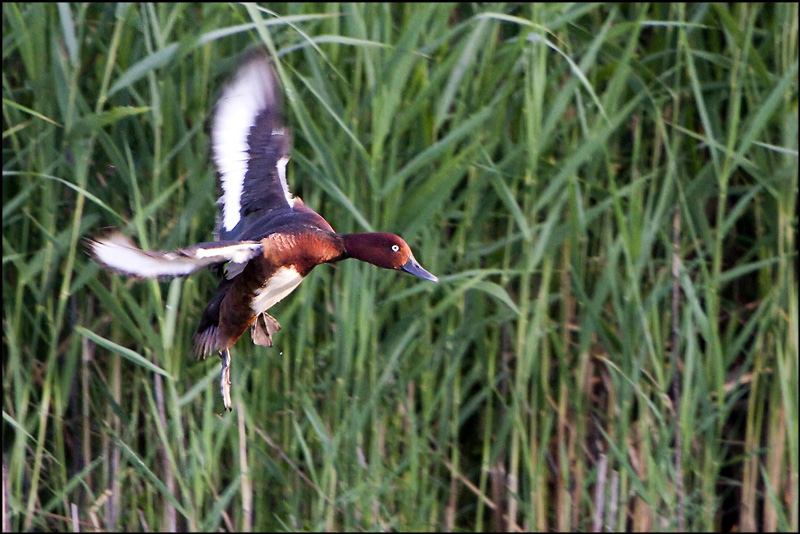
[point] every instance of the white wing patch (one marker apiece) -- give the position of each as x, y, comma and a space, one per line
252, 91
118, 253
282, 174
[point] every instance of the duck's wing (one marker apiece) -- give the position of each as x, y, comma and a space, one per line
251, 147
118, 253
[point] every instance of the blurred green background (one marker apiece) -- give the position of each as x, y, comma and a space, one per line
606, 191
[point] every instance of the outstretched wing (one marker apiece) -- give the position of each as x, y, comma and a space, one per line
118, 253
251, 147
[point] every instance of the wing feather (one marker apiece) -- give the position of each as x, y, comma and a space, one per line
118, 253
251, 146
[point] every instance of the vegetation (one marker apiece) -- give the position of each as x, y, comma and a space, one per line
607, 192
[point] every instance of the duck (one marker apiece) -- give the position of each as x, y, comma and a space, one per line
267, 240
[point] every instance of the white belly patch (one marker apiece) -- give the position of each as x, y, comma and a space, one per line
283, 282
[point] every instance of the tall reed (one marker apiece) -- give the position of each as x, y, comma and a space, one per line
606, 191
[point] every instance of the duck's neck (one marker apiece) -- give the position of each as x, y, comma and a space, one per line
355, 246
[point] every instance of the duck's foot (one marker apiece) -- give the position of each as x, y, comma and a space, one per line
262, 329
225, 379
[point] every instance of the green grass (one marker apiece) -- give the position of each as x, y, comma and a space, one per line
607, 193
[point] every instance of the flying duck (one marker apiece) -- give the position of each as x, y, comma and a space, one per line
267, 240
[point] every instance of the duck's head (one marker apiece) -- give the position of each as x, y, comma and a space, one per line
385, 250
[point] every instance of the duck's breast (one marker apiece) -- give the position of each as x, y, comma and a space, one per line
280, 284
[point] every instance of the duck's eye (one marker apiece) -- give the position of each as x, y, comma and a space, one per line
395, 248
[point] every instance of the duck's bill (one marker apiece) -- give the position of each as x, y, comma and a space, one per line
412, 267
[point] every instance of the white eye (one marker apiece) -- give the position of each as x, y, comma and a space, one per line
395, 248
